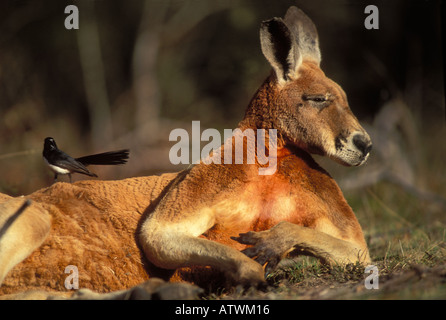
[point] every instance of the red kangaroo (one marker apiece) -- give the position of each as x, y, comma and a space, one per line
205, 215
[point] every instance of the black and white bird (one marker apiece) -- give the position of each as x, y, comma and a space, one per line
61, 163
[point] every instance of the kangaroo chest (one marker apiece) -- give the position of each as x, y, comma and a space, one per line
261, 204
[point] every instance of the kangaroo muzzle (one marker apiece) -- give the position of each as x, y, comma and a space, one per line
353, 150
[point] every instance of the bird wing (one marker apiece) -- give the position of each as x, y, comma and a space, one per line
66, 162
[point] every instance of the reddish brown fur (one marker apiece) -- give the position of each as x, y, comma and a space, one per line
93, 227
108, 228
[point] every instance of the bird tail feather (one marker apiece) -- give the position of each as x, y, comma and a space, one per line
106, 158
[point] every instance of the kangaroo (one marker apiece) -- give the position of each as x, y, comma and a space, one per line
224, 216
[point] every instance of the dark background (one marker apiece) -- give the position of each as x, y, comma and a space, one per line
135, 70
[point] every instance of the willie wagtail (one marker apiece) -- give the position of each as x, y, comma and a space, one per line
61, 163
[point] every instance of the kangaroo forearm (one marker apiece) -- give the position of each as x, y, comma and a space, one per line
301, 240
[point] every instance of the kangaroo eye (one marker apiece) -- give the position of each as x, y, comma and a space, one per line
315, 98
318, 101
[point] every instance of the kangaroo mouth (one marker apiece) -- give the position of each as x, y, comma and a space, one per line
353, 150
350, 159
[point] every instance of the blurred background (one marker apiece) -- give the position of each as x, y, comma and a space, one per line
137, 69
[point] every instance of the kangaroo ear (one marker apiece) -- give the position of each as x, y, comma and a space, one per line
280, 49
286, 43
304, 33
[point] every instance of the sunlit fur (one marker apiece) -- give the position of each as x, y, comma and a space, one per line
120, 233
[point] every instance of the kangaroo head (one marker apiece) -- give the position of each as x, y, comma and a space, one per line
308, 109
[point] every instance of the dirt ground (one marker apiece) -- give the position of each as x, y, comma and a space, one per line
412, 282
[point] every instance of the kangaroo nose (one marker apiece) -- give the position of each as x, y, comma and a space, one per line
362, 143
